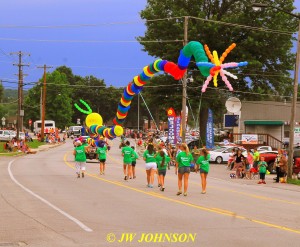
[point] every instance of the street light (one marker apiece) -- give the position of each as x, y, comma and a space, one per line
258, 6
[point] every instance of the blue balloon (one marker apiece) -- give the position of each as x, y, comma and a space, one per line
183, 61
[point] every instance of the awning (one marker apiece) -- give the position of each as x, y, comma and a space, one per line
263, 122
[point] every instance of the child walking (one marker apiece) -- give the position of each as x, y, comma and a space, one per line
162, 161
262, 168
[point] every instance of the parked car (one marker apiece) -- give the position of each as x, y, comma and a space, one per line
5, 135
221, 154
264, 148
74, 131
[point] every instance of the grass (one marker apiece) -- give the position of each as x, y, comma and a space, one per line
34, 144
293, 181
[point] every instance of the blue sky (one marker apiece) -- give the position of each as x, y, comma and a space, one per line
117, 22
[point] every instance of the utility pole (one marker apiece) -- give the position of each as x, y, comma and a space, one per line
45, 67
184, 82
20, 113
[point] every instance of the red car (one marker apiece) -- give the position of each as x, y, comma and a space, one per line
296, 167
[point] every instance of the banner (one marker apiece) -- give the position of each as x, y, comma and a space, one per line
210, 130
249, 139
173, 126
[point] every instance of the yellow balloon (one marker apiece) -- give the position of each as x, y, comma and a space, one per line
92, 119
118, 130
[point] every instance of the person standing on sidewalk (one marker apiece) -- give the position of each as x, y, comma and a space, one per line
80, 158
183, 168
262, 168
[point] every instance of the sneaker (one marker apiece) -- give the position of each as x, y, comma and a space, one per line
260, 182
101, 173
159, 185
134, 177
162, 188
78, 175
179, 193
264, 182
150, 186
82, 175
125, 178
185, 193
203, 192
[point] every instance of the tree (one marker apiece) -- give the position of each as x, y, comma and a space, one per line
268, 53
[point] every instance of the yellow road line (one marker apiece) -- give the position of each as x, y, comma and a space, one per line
233, 191
212, 210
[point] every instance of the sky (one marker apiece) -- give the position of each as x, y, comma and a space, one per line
92, 37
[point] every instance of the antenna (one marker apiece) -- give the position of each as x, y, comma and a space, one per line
233, 105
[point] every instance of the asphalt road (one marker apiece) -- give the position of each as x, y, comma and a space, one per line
43, 203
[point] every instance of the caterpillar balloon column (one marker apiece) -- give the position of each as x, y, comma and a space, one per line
209, 69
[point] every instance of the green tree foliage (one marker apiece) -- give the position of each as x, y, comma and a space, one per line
268, 53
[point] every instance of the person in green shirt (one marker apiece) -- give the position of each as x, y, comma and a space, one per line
183, 168
203, 163
262, 168
151, 166
101, 151
80, 158
127, 153
133, 162
162, 161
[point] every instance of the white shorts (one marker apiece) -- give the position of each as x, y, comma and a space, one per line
151, 165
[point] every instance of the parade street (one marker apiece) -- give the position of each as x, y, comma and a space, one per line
43, 203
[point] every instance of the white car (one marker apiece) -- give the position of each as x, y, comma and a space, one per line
222, 154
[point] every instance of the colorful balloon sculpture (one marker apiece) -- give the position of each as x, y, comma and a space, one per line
193, 48
217, 66
95, 126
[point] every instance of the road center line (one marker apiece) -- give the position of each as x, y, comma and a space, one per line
79, 223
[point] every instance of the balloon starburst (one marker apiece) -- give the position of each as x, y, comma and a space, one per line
217, 67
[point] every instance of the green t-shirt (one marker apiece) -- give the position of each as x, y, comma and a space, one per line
159, 159
134, 156
204, 163
128, 152
184, 159
262, 166
102, 153
80, 153
149, 157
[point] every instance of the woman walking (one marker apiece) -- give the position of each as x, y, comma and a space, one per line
80, 158
203, 163
148, 156
127, 153
162, 161
183, 168
101, 151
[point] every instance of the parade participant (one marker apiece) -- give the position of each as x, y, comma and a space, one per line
162, 160
127, 153
150, 164
80, 158
101, 151
133, 162
183, 166
262, 168
203, 163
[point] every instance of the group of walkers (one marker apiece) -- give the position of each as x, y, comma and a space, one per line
157, 159
256, 164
